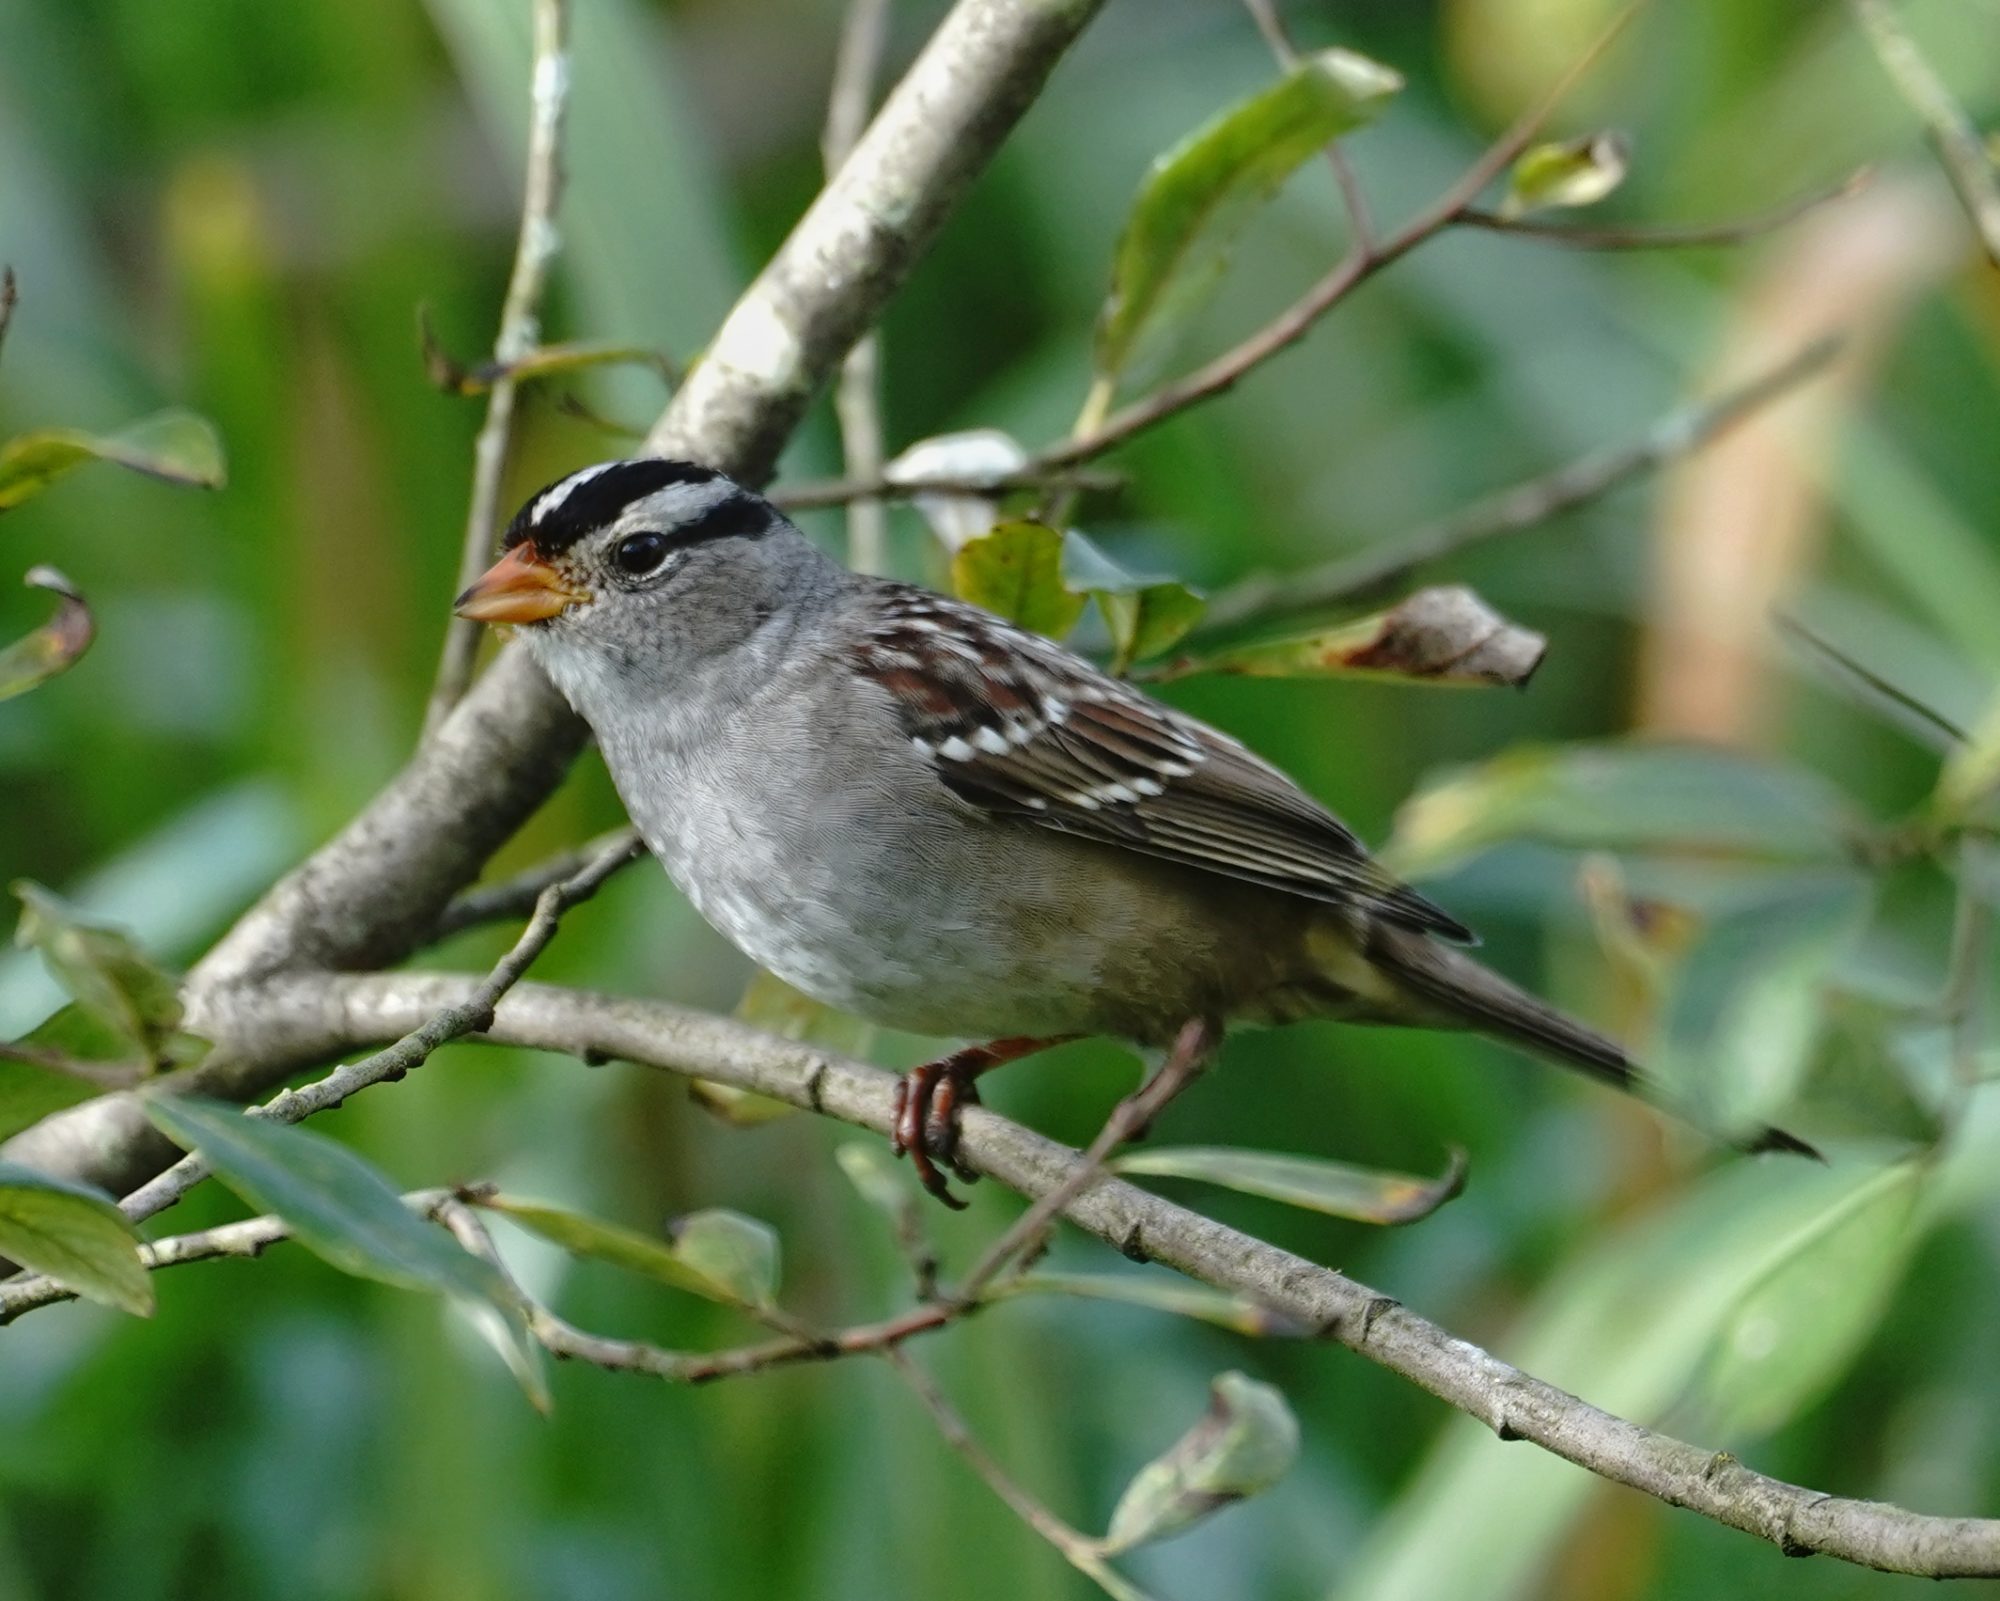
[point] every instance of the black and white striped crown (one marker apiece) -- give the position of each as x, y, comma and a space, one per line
576, 505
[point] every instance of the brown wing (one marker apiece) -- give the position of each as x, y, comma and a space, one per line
1020, 728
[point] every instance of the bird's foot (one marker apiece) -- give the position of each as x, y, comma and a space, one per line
929, 1100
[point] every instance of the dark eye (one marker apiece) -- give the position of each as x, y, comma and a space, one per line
640, 553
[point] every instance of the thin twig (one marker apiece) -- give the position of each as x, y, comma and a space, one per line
1667, 238
10, 297
248, 1238
797, 1342
815, 493
520, 332
1526, 505
469, 1016
517, 896
1360, 224
1076, 1547
857, 401
1353, 270
1130, 1118
340, 1010
1953, 135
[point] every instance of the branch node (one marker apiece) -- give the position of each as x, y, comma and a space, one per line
1134, 1244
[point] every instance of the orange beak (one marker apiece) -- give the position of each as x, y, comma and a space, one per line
518, 588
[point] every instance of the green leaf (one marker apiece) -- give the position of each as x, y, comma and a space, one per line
737, 1252
29, 1093
1244, 1443
106, 973
1444, 635
1144, 615
1683, 799
1365, 1195
660, 1260
1748, 1011
1794, 1331
345, 1212
74, 1234
1626, 1322
1016, 572
1162, 1293
1199, 196
1569, 173
53, 648
175, 445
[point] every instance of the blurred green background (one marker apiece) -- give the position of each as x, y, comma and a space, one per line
239, 207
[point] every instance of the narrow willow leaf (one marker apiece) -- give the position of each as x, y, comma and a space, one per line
1245, 1442
345, 1212
105, 972
1199, 196
74, 1234
1684, 799
1445, 635
1237, 1313
737, 1252
1796, 1330
621, 1247
1363, 1194
53, 648
1144, 615
1016, 571
175, 445
1570, 173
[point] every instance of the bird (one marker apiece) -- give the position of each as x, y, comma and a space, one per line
910, 809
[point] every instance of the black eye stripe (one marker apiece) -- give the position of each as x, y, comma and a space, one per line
743, 515
596, 498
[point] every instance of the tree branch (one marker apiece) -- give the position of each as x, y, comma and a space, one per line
856, 394
319, 1016
1953, 135
1679, 433
520, 331
374, 893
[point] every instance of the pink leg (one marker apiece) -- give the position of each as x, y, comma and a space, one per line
930, 1097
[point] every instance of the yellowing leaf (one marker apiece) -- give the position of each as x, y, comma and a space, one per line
1443, 635
1198, 197
1016, 571
1245, 1442
75, 1235
175, 445
54, 647
1573, 172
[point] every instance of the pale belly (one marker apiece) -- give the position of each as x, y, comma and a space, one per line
980, 960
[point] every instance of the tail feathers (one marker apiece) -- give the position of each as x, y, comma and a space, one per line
1464, 994
1456, 990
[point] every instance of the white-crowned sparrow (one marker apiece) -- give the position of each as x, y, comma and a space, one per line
915, 811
